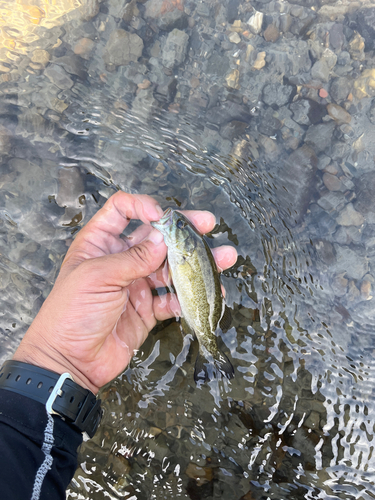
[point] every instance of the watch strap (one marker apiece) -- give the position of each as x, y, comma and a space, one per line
59, 393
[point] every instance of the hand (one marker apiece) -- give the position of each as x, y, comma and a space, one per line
101, 307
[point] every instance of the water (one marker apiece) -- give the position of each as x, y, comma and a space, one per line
293, 198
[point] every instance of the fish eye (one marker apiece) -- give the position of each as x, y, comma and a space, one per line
180, 224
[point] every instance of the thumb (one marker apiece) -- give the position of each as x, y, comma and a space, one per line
122, 268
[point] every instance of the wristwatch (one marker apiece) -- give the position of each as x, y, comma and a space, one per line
59, 393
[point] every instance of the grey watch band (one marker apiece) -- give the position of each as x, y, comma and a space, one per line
59, 393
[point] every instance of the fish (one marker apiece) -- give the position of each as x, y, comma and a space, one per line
197, 283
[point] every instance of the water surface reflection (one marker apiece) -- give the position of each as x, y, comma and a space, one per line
265, 120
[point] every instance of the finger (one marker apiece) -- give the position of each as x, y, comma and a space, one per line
100, 236
225, 256
128, 322
140, 296
137, 236
161, 277
121, 269
166, 306
203, 220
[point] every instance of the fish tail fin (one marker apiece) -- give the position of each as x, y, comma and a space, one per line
220, 366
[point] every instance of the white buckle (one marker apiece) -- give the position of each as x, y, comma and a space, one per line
56, 391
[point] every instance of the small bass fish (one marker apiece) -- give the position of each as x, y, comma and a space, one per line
196, 280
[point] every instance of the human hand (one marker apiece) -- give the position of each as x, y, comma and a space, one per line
101, 307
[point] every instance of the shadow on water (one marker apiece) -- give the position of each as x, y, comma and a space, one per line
296, 421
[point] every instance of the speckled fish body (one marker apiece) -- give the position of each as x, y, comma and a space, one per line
197, 283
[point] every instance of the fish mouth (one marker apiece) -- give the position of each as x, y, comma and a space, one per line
164, 222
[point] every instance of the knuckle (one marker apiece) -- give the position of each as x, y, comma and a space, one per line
141, 257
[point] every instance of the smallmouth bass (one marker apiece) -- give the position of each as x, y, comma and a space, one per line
197, 284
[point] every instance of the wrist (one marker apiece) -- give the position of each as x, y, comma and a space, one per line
55, 362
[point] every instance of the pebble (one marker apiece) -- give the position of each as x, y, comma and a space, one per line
350, 262
331, 168
349, 216
329, 57
300, 111
339, 285
340, 88
364, 86
89, 9
338, 114
331, 201
41, 57
357, 47
249, 51
233, 79
320, 136
175, 49
371, 112
5, 141
331, 182
366, 26
366, 288
353, 292
122, 48
325, 251
277, 94
130, 11
201, 475
299, 173
255, 23
271, 34
337, 36
234, 37
84, 47
320, 71
260, 61
58, 76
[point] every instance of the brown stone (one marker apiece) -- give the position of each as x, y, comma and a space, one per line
366, 289
271, 34
338, 113
41, 57
201, 475
260, 61
331, 182
83, 47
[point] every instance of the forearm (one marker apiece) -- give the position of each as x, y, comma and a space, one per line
38, 452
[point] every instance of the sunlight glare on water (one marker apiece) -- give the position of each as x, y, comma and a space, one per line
250, 110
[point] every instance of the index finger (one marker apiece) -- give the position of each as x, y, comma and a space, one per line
100, 236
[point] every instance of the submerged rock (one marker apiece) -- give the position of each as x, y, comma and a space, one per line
350, 217
320, 71
301, 111
260, 62
319, 136
278, 95
340, 89
338, 114
298, 176
175, 49
255, 23
366, 27
122, 48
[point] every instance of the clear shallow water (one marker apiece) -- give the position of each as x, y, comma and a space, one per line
296, 422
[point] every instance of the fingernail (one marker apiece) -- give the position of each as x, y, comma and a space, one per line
159, 210
156, 237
